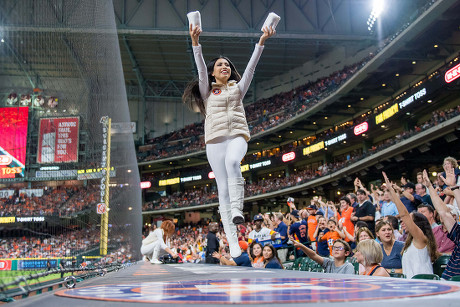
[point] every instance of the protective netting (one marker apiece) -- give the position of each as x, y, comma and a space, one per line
60, 73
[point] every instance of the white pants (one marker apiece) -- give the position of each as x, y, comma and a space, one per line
149, 250
225, 157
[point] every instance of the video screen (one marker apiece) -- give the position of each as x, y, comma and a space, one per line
58, 140
13, 141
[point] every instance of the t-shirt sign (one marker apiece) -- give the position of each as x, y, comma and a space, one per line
58, 140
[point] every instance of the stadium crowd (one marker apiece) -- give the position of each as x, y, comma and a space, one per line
63, 245
410, 227
265, 113
205, 195
261, 115
56, 201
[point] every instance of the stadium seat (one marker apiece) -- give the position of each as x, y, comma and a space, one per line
397, 275
440, 264
306, 264
426, 276
455, 278
296, 265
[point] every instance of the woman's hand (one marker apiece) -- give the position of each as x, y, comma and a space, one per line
268, 32
216, 255
450, 176
388, 183
195, 34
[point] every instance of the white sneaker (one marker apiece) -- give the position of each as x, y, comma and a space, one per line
155, 261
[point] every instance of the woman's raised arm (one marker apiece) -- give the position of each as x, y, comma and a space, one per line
420, 240
251, 67
199, 60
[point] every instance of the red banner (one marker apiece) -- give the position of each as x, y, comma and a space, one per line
5, 265
58, 140
13, 141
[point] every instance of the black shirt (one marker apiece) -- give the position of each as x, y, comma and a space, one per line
366, 209
213, 246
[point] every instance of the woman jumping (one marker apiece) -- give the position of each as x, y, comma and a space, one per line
218, 92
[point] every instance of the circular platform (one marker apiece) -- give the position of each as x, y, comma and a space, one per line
262, 290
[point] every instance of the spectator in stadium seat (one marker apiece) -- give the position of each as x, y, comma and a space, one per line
260, 233
340, 251
322, 248
391, 249
155, 242
420, 190
388, 207
344, 216
354, 199
369, 254
409, 198
255, 252
298, 230
452, 226
282, 229
428, 211
394, 222
365, 211
242, 260
271, 258
332, 235
312, 223
218, 93
212, 243
362, 234
450, 163
420, 248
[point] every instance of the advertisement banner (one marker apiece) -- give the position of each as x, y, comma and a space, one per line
6, 193
56, 174
36, 264
58, 140
13, 141
5, 265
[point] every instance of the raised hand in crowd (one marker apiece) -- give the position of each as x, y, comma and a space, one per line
403, 180
449, 180
442, 209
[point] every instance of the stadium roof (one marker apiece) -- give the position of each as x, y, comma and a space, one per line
426, 44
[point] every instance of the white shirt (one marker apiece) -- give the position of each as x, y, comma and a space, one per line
416, 261
262, 235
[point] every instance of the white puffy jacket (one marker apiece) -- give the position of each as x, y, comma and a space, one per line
225, 114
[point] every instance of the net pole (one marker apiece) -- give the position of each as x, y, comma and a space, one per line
105, 215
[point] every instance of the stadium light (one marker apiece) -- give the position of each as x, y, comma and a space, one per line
377, 9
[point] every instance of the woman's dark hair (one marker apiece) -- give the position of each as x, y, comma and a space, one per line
346, 199
360, 224
274, 255
422, 222
192, 96
393, 220
251, 249
380, 225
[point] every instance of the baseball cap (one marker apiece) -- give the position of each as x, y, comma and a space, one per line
290, 200
295, 213
243, 245
258, 217
312, 207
